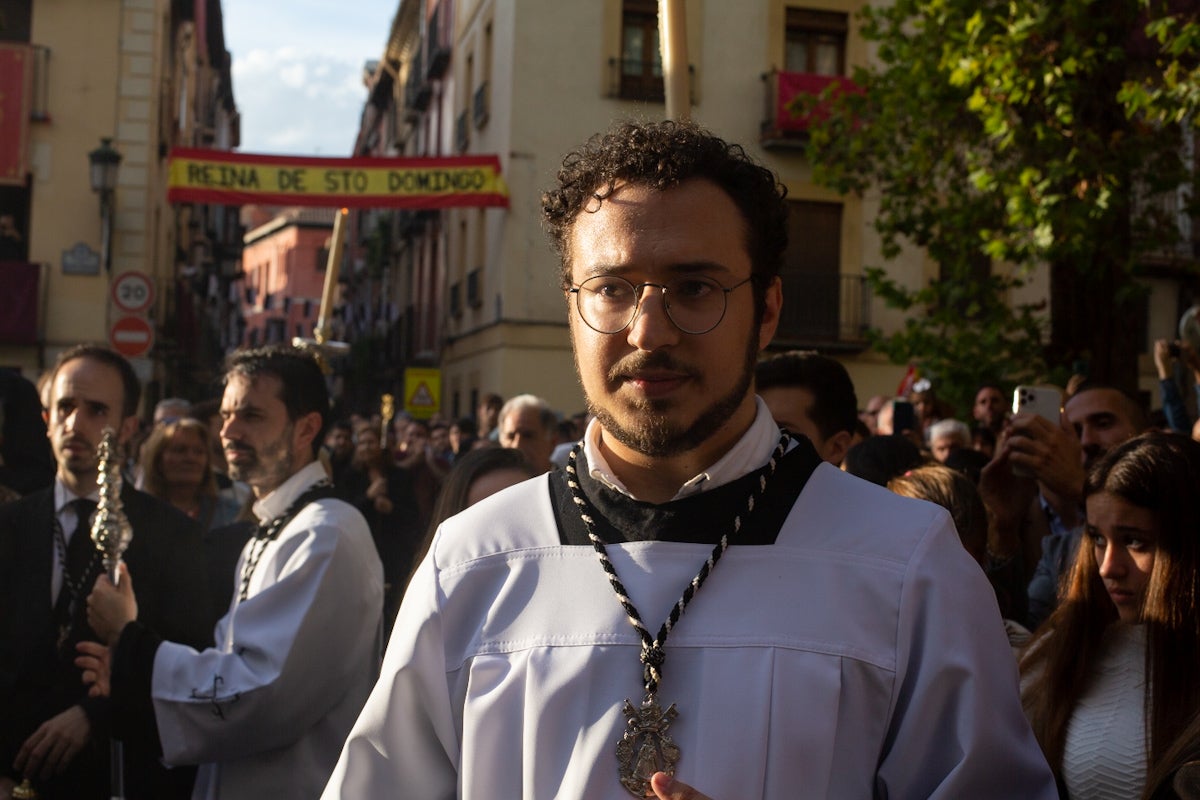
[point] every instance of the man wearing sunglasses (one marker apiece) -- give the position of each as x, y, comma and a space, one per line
695, 601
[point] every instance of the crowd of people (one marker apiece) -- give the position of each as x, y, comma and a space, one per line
369, 607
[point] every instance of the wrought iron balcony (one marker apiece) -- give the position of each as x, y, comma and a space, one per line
824, 309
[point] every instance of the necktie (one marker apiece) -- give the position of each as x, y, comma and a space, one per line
81, 549
80, 553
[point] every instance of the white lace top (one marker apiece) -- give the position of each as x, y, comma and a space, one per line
1105, 752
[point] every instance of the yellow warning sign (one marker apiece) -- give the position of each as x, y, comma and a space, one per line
422, 392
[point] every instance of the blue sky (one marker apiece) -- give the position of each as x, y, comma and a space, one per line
298, 68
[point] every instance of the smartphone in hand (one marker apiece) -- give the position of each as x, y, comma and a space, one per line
904, 416
1045, 401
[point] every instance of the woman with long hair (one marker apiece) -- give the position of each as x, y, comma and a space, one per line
478, 474
1109, 681
177, 465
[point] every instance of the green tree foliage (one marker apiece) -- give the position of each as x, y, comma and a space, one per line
1027, 132
963, 334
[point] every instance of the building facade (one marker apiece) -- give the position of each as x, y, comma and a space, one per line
529, 80
144, 75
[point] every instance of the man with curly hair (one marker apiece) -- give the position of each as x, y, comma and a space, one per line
822, 637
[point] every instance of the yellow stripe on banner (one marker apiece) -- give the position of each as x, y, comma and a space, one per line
199, 174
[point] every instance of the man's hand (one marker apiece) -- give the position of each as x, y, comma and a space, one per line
1007, 497
1005, 494
1191, 358
53, 745
377, 488
1053, 455
96, 663
110, 608
667, 788
1162, 358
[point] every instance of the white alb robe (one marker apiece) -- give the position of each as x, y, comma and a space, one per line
862, 655
293, 662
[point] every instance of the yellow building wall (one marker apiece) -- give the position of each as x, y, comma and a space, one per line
104, 78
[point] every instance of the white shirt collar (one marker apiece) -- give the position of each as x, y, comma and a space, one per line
286, 493
750, 453
63, 495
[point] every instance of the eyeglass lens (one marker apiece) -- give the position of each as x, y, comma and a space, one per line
608, 304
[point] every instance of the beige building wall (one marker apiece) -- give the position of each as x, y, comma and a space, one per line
103, 78
549, 88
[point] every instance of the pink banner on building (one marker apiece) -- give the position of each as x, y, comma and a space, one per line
16, 87
793, 84
18, 302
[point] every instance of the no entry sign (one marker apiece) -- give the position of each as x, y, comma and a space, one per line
132, 337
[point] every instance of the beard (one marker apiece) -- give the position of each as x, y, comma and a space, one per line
268, 466
78, 463
650, 430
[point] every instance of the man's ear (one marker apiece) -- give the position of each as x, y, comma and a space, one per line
306, 429
836, 447
772, 304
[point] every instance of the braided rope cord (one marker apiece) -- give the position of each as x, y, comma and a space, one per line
269, 530
653, 655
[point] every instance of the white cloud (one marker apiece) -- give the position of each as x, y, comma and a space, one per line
297, 75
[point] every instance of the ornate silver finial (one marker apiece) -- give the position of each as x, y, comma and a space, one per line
111, 530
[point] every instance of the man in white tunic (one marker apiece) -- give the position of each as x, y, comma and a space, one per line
844, 645
265, 711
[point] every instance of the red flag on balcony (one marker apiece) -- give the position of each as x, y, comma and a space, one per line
18, 302
794, 84
16, 86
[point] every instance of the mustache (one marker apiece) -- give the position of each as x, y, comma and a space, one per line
640, 362
239, 448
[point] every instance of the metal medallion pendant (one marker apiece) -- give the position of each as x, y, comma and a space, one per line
645, 747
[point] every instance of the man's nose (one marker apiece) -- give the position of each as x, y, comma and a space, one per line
652, 328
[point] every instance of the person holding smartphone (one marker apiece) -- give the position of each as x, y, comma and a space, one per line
1034, 485
1165, 355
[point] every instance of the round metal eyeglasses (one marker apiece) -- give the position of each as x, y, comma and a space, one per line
694, 303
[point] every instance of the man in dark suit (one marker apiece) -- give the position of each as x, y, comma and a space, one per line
50, 729
26, 463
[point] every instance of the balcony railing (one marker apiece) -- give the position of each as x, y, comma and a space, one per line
462, 132
437, 52
824, 309
783, 128
417, 90
474, 290
479, 105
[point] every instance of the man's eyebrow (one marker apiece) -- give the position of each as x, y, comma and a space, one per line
688, 267
241, 409
680, 268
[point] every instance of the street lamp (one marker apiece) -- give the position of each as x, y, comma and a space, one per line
104, 162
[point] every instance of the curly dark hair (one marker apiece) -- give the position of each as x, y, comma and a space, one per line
661, 155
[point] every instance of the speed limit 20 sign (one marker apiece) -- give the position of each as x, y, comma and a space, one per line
133, 292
